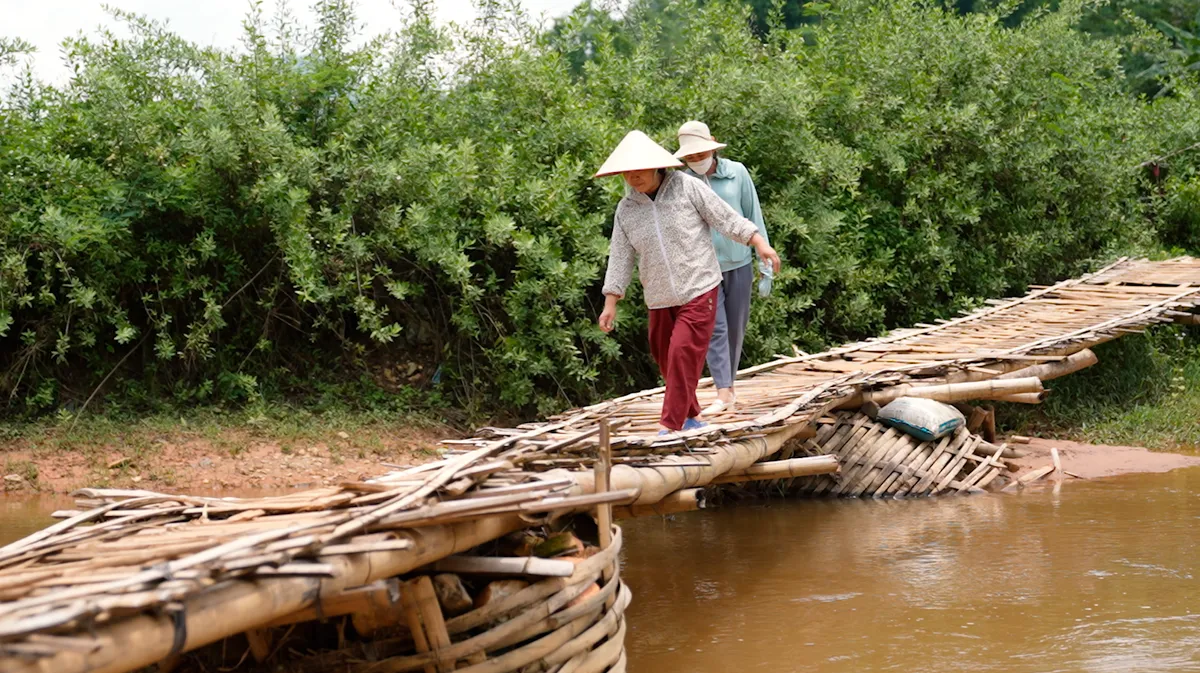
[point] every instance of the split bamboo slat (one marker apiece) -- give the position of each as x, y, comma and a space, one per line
879, 461
133, 578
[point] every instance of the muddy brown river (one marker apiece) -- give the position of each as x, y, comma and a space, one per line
1096, 576
1099, 576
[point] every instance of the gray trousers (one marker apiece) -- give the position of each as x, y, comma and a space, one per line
733, 314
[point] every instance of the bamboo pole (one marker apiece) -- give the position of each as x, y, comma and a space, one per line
260, 643
886, 464
585, 572
1052, 370
604, 514
981, 470
533, 621
687, 500
598, 659
1029, 478
511, 603
530, 624
412, 616
601, 475
238, 606
1024, 398
654, 484
505, 565
947, 392
986, 447
783, 469
605, 628
903, 334
582, 617
421, 591
989, 425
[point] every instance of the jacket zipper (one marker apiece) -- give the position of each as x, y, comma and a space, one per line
662, 246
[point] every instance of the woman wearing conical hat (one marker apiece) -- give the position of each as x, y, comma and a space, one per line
663, 226
731, 181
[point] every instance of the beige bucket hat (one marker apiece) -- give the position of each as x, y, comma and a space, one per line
694, 138
637, 152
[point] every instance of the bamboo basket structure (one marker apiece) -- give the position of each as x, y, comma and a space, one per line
573, 623
142, 576
135, 578
878, 461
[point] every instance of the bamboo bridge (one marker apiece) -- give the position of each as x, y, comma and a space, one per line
135, 579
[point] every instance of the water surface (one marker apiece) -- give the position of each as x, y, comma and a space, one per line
21, 515
1099, 576
1096, 576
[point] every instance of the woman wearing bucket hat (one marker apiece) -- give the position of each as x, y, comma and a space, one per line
663, 226
731, 181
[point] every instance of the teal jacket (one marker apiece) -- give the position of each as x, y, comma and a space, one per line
731, 181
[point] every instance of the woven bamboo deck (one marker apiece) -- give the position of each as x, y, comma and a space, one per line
139, 577
1048, 323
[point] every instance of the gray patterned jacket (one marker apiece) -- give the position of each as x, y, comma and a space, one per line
670, 239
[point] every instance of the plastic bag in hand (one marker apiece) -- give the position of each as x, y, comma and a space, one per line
765, 279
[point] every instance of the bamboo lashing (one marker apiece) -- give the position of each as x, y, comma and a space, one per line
380, 594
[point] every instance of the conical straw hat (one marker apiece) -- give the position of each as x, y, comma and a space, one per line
637, 152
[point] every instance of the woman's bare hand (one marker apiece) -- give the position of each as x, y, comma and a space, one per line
766, 253
608, 318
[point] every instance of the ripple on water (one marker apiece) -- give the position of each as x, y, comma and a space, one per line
1095, 578
829, 598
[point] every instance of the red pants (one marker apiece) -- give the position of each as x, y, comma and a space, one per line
679, 338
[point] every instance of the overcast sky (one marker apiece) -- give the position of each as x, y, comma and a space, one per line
45, 23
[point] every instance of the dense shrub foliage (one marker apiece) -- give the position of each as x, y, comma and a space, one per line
219, 225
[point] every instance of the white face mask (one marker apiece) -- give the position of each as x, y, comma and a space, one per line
701, 167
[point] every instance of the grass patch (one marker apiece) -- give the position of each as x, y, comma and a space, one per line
231, 431
25, 469
376, 418
1145, 391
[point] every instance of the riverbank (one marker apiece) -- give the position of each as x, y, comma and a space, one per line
214, 459
1144, 392
1093, 461
207, 455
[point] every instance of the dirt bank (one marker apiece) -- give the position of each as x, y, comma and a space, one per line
236, 459
231, 460
1091, 461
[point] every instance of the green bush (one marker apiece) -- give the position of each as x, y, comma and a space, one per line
1145, 391
213, 225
